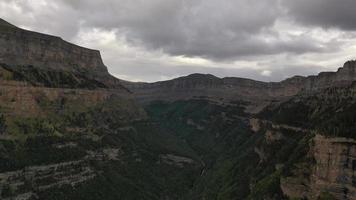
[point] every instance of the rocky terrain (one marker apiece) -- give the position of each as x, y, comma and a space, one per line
70, 130
67, 125
332, 172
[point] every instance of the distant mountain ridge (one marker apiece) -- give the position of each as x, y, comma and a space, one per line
231, 89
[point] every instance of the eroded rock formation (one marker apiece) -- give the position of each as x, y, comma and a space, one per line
333, 171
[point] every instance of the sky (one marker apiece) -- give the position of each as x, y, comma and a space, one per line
154, 40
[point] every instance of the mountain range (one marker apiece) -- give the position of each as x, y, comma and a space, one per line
70, 130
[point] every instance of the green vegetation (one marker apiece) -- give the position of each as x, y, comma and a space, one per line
48, 78
222, 139
217, 137
326, 196
2, 124
36, 151
268, 186
229, 160
330, 112
136, 175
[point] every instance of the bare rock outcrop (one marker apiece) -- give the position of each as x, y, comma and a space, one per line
333, 171
37, 68
21, 184
335, 167
179, 161
27, 52
22, 47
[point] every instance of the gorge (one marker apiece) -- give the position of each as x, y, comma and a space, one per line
70, 130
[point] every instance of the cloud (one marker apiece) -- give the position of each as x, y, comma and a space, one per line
44, 16
324, 13
218, 30
267, 73
159, 39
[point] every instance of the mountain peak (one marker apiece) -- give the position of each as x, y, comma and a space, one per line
349, 65
200, 76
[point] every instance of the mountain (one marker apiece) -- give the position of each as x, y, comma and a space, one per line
70, 130
303, 145
30, 53
231, 89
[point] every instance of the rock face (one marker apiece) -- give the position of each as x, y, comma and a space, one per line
344, 76
48, 90
179, 161
34, 66
333, 171
42, 178
335, 167
238, 89
24, 48
68, 128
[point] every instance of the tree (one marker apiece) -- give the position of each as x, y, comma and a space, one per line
2, 124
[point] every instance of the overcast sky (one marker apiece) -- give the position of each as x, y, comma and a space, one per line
151, 40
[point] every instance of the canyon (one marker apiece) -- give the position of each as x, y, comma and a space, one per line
70, 130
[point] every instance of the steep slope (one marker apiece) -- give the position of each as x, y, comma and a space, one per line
303, 148
28, 53
40, 74
327, 115
238, 163
69, 130
297, 144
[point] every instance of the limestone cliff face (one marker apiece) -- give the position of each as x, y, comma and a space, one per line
23, 51
43, 178
22, 47
335, 167
333, 171
34, 66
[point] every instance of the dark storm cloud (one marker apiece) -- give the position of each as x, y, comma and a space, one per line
324, 13
218, 30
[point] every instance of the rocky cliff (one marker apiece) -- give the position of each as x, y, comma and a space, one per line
327, 117
332, 172
239, 89
25, 51
70, 130
22, 47
36, 67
